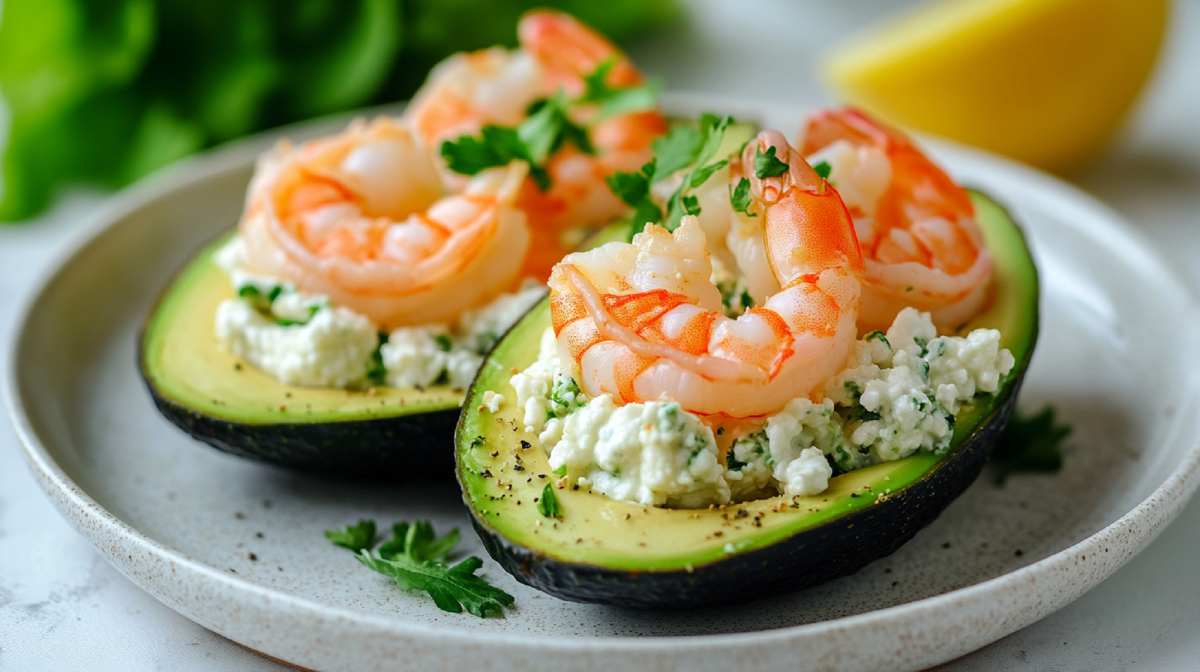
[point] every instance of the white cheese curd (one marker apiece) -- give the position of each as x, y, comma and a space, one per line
656, 454
416, 356
545, 394
428, 354
799, 434
333, 349
493, 401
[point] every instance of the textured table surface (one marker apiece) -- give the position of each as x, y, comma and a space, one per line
63, 607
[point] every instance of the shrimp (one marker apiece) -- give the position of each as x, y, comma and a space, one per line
495, 86
917, 228
642, 320
360, 217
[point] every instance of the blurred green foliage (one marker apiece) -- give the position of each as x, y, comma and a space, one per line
106, 91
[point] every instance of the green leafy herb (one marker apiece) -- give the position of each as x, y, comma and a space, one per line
285, 322
548, 504
357, 537
852, 388
683, 147
443, 342
414, 558
922, 344
634, 190
767, 165
739, 197
823, 169
376, 371
1030, 443
418, 541
614, 101
879, 335
561, 471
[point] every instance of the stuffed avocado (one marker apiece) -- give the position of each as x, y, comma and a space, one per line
599, 549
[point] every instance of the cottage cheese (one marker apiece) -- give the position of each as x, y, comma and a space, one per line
333, 349
655, 453
898, 395
295, 336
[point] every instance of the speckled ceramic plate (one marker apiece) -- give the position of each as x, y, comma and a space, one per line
238, 547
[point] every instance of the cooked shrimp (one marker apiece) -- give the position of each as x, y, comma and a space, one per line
917, 228
643, 321
360, 217
496, 86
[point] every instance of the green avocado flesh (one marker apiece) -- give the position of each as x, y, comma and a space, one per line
184, 362
502, 479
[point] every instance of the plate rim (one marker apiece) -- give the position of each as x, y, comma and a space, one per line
1091, 558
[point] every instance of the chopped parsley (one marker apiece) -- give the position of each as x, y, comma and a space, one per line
415, 557
377, 372
823, 169
922, 344
561, 471
879, 335
443, 342
767, 165
258, 298
739, 197
548, 505
1030, 443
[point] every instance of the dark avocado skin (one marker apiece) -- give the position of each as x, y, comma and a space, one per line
397, 449
837, 548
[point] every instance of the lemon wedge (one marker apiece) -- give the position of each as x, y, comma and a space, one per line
1046, 82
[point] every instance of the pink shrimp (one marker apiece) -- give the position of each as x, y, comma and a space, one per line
641, 321
360, 217
919, 237
496, 86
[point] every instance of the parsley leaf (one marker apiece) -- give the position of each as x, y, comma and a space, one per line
358, 537
634, 190
614, 101
494, 146
414, 559
561, 471
878, 335
823, 169
376, 371
676, 150
739, 197
418, 541
766, 165
548, 504
452, 588
1030, 443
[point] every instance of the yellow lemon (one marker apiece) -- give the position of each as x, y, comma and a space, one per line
1043, 81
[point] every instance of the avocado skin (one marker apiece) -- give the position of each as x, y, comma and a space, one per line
837, 548
412, 448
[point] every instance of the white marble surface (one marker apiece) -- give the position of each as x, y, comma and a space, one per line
63, 607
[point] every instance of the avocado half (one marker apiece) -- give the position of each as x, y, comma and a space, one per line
623, 554
226, 402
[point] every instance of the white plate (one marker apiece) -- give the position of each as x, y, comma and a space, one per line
1119, 340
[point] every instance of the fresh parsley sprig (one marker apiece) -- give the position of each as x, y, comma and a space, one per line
415, 557
547, 128
685, 147
548, 504
1030, 443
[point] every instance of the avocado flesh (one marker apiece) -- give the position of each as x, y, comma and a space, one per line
229, 403
621, 553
